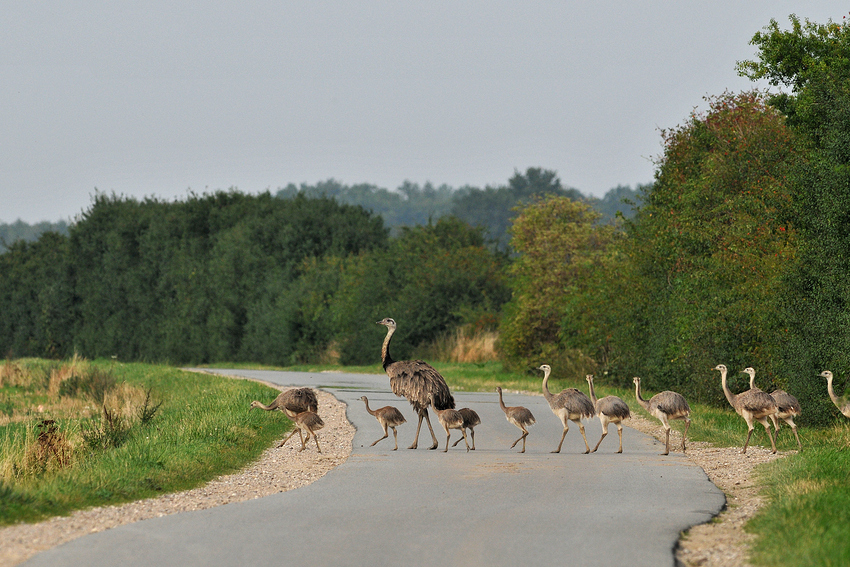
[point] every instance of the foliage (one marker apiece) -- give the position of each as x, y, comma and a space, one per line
182, 281
36, 297
560, 252
410, 205
431, 280
493, 208
19, 230
707, 252
813, 60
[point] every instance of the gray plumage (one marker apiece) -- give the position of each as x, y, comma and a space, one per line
470, 420
388, 417
753, 405
519, 416
787, 408
450, 419
307, 423
665, 406
292, 402
568, 405
610, 409
417, 381
842, 404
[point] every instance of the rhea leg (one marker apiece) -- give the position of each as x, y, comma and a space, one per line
418, 427
766, 425
790, 421
604, 433
564, 434
386, 434
291, 433
431, 429
459, 439
685, 434
747, 442
620, 431
395, 437
463, 430
581, 428
521, 438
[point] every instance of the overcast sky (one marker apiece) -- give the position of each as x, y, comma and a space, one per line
156, 98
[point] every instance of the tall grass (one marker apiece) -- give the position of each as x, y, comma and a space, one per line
202, 429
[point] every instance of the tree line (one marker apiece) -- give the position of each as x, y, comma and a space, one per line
737, 253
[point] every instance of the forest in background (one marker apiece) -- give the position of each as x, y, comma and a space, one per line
412, 204
739, 253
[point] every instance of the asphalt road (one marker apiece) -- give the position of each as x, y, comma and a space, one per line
492, 506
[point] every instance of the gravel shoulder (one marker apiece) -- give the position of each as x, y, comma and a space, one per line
722, 542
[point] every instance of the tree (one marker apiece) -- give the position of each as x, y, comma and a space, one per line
560, 252
494, 207
431, 279
813, 61
708, 250
35, 298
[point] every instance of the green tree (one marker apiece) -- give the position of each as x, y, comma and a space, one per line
431, 279
35, 298
561, 252
493, 208
813, 61
708, 250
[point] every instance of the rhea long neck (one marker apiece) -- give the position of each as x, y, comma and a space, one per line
730, 397
831, 391
386, 359
592, 392
501, 403
643, 403
546, 393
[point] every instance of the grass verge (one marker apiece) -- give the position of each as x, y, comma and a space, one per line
202, 429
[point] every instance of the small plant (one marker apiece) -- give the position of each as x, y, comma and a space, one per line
109, 433
148, 410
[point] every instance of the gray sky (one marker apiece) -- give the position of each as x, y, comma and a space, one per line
156, 98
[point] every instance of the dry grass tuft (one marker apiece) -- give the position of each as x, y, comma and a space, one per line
464, 345
11, 374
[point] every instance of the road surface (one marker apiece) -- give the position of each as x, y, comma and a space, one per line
488, 507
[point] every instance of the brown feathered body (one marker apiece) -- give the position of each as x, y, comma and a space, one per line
520, 416
388, 417
307, 424
415, 380
292, 402
610, 409
470, 420
450, 419
665, 406
753, 405
568, 405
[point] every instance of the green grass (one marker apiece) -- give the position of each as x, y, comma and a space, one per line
808, 504
202, 430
